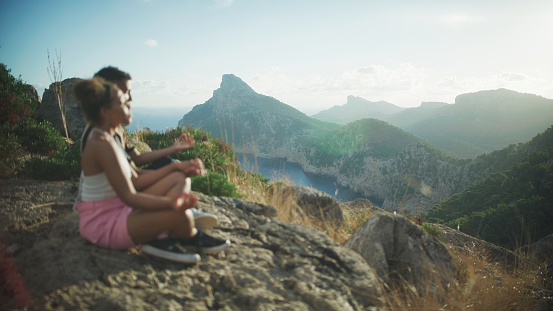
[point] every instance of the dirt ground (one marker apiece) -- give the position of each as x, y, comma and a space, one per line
25, 205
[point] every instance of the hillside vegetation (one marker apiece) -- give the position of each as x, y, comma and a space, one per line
475, 124
509, 208
372, 137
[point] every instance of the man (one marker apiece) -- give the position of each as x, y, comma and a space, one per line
161, 163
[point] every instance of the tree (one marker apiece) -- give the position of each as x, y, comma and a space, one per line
55, 73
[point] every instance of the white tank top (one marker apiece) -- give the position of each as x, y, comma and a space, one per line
97, 187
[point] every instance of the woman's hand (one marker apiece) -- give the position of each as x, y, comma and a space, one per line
185, 200
192, 167
184, 141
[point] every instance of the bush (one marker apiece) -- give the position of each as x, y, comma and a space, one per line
217, 156
22, 134
434, 231
62, 165
214, 184
15, 104
39, 137
11, 154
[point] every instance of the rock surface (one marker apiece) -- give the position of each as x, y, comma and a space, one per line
314, 202
402, 252
463, 243
49, 109
32, 93
270, 265
542, 250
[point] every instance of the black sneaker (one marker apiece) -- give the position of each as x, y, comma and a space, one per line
167, 248
205, 244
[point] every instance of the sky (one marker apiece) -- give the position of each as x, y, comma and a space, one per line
309, 54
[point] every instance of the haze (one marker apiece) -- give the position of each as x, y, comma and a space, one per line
308, 54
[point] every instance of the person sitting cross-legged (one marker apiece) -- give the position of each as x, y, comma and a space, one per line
160, 164
112, 213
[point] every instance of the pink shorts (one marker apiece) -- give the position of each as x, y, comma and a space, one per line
104, 223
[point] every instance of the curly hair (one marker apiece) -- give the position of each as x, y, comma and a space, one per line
94, 94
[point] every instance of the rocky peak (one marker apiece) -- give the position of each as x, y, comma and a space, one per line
353, 99
232, 83
32, 93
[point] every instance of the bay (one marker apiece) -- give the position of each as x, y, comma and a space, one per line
281, 170
160, 119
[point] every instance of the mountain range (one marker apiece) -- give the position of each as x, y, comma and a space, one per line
357, 108
476, 123
395, 168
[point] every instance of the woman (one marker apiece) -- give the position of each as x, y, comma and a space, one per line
112, 213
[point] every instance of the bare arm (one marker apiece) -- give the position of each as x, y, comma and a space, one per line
183, 142
104, 157
146, 178
148, 157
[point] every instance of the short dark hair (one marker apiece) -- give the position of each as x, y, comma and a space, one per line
112, 74
94, 94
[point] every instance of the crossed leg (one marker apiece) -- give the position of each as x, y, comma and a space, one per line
144, 226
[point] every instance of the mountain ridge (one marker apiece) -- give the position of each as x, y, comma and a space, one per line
252, 121
393, 167
475, 124
355, 107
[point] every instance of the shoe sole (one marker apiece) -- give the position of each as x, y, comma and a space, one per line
214, 250
171, 256
205, 222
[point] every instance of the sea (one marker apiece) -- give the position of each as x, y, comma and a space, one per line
161, 119
156, 118
277, 169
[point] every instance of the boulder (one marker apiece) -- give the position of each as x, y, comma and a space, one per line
270, 265
403, 254
313, 202
359, 206
542, 250
463, 242
32, 93
49, 109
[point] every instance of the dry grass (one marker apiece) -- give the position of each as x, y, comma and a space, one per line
255, 190
480, 285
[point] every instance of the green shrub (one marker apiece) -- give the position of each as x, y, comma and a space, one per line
15, 104
214, 184
431, 229
23, 136
11, 154
39, 137
216, 155
62, 165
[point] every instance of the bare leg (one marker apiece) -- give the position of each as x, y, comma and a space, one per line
144, 226
172, 184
